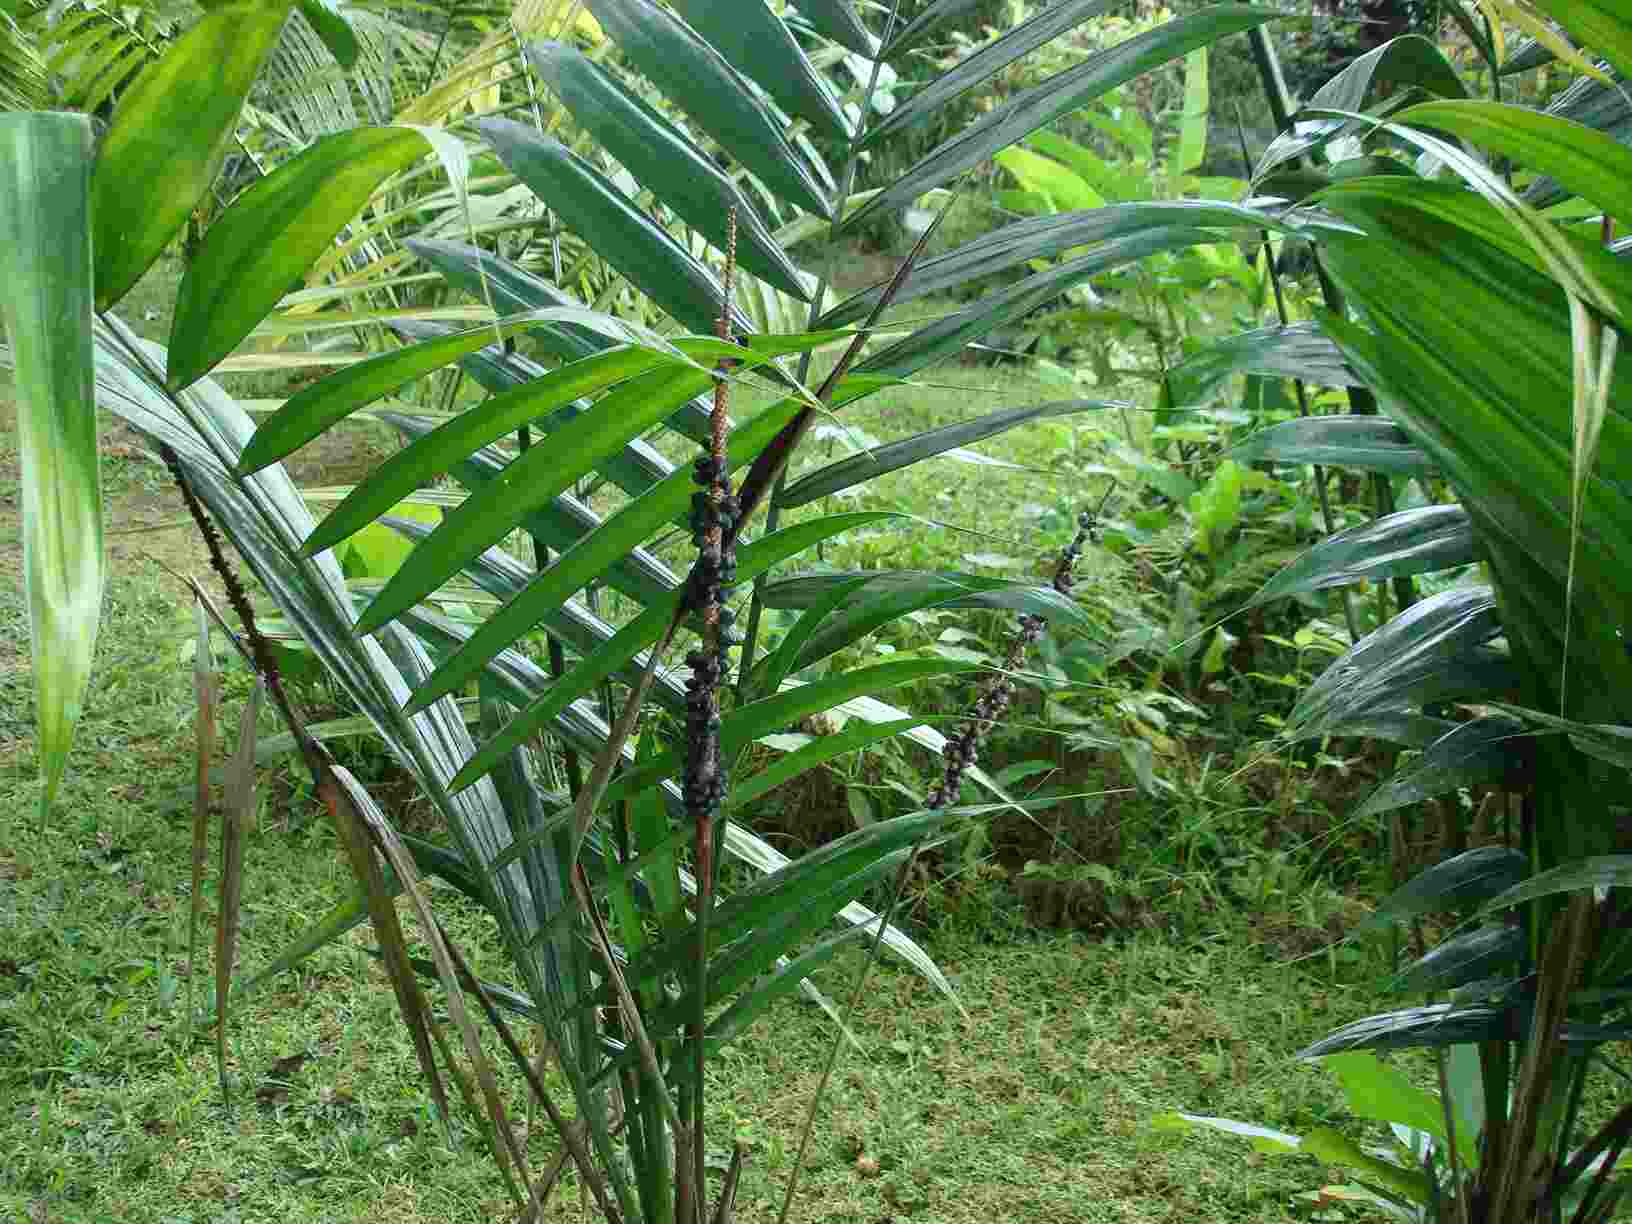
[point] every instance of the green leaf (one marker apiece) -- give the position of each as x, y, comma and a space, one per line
1332, 1147
1409, 542
1043, 27
611, 224
768, 674
892, 456
1192, 145
1459, 882
664, 161
1599, 24
837, 20
1015, 246
1486, 750
1369, 443
855, 736
1434, 1027
1299, 350
310, 412
1598, 871
1382, 1093
591, 555
168, 135
760, 46
1270, 1142
946, 337
1408, 60
271, 235
1592, 165
1436, 649
698, 79
1061, 94
888, 596
1492, 951
46, 267
332, 28
1045, 177
1117, 181
752, 560
781, 710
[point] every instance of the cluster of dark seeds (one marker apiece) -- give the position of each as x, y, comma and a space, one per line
963, 749
713, 515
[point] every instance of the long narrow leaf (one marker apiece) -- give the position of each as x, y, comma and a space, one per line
1409, 542
46, 267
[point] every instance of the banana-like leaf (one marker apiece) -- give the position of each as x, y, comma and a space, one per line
1015, 245
1602, 25
1044, 26
609, 221
590, 556
1409, 542
947, 337
1604, 107
1061, 94
1298, 350
623, 647
1054, 187
860, 468
1491, 951
1263, 1138
760, 46
169, 132
1409, 60
1369, 443
1436, 649
1502, 435
1492, 749
664, 160
1592, 165
697, 78
46, 266
1599, 871
837, 20
1462, 881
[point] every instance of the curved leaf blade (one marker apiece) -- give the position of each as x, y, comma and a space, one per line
270, 235
177, 115
1373, 444
1492, 749
1597, 871
665, 161
1059, 95
1043, 27
860, 468
837, 20
698, 79
1492, 951
609, 221
759, 45
1410, 542
1298, 350
1459, 882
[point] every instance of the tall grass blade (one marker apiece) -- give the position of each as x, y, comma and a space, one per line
237, 813
206, 696
46, 271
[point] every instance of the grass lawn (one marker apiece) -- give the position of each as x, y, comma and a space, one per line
1031, 1103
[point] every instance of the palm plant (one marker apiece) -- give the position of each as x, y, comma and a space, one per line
641, 994
1488, 333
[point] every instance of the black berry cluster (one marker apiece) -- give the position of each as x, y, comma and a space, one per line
963, 749
713, 516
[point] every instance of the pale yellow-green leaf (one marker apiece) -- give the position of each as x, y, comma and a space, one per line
45, 301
